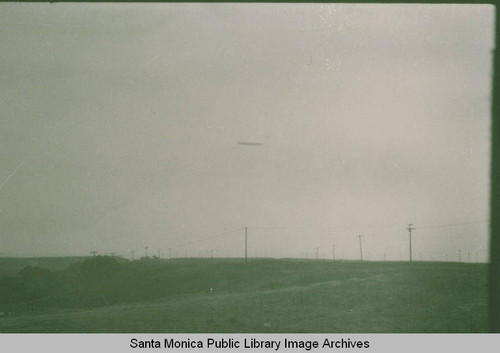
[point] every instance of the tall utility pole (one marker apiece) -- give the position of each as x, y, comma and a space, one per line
146, 251
246, 244
333, 250
409, 233
360, 247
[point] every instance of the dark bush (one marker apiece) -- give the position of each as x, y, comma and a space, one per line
99, 268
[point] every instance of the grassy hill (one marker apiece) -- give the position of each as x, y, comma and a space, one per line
10, 266
265, 295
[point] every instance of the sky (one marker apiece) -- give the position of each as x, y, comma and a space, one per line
120, 125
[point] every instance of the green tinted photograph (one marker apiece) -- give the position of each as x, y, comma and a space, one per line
245, 167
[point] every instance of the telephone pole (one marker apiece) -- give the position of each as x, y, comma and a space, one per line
316, 253
146, 250
246, 244
360, 247
409, 233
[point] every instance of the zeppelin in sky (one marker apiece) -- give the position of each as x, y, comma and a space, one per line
247, 143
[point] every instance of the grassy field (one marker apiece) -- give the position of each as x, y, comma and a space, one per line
265, 295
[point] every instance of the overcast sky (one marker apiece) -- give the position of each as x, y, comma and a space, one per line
119, 126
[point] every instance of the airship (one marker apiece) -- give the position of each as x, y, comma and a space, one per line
249, 143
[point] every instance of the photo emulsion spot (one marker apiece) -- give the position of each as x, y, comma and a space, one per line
245, 168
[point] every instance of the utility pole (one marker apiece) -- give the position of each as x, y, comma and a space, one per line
316, 253
246, 244
409, 233
333, 250
459, 255
360, 247
146, 251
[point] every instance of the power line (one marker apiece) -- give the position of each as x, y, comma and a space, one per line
410, 228
320, 227
453, 224
210, 237
366, 226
